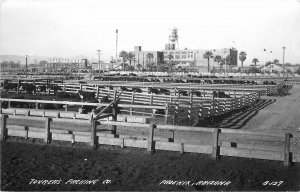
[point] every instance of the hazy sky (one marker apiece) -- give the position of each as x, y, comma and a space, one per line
66, 28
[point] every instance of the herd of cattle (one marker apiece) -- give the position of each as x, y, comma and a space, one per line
192, 80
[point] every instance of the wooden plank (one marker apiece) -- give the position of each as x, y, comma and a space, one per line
62, 137
296, 157
3, 127
160, 145
151, 146
184, 128
16, 133
83, 138
251, 146
38, 135
47, 130
109, 141
126, 124
93, 134
135, 143
215, 148
248, 153
206, 149
287, 159
67, 114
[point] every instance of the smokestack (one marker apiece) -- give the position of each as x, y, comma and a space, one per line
116, 43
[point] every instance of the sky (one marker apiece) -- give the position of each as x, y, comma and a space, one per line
69, 28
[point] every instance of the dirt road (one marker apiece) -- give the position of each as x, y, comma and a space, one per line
282, 115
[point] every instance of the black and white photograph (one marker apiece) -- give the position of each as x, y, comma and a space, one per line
150, 95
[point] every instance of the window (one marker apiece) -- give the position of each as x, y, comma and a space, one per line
177, 56
183, 56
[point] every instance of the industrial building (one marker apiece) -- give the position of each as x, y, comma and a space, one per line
66, 64
193, 59
144, 57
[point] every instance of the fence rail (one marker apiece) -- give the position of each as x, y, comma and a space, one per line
225, 142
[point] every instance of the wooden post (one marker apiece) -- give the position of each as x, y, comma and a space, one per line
190, 110
97, 92
8, 103
181, 148
287, 159
65, 88
114, 113
66, 107
1, 107
80, 87
93, 134
3, 127
122, 143
215, 148
166, 113
132, 101
150, 138
175, 113
47, 130
151, 99
36, 105
19, 84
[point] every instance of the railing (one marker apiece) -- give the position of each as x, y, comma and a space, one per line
225, 142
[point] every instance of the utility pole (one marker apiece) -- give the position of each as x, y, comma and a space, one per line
283, 48
26, 67
99, 60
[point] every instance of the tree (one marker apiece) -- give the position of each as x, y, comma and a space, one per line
208, 55
218, 59
242, 57
170, 63
131, 57
255, 60
139, 66
124, 56
276, 61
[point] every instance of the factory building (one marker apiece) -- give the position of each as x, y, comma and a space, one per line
144, 57
193, 59
66, 64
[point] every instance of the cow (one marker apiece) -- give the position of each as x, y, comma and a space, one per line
153, 90
220, 94
196, 93
164, 91
136, 90
84, 95
11, 86
28, 88
182, 92
125, 89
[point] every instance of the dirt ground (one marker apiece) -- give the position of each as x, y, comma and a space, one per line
282, 115
23, 162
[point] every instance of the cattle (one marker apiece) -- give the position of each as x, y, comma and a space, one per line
220, 94
153, 90
196, 93
125, 89
182, 93
10, 86
28, 88
41, 88
84, 95
136, 90
164, 91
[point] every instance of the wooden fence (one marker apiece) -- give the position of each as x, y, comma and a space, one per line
224, 142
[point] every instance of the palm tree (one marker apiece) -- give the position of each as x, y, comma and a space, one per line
255, 60
207, 55
242, 57
276, 61
218, 59
124, 56
130, 57
170, 63
139, 66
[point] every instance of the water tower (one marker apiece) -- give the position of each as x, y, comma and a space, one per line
173, 38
